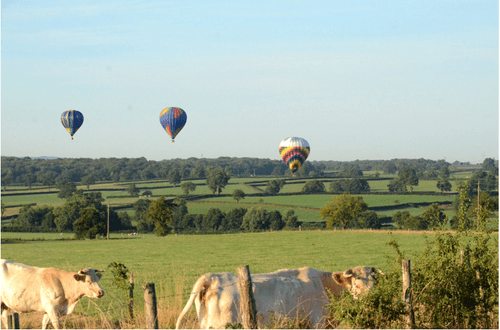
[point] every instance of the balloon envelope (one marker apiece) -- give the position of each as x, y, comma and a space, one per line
173, 120
294, 152
72, 120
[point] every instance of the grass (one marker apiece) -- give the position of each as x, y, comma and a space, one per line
174, 263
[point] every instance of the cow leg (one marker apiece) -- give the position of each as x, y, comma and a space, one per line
51, 315
5, 314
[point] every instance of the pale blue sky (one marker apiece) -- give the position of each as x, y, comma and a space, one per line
356, 79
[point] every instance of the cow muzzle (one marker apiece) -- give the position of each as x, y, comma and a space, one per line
100, 293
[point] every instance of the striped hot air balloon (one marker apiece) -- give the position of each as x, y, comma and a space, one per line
72, 120
294, 152
173, 120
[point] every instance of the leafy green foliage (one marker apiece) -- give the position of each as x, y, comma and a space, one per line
188, 187
291, 220
273, 187
342, 210
66, 190
90, 224
313, 187
160, 214
238, 194
217, 179
454, 285
351, 186
120, 275
132, 190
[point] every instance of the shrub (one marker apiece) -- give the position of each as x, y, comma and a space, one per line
448, 290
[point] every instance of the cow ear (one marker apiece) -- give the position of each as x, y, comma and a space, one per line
81, 272
79, 277
99, 275
339, 278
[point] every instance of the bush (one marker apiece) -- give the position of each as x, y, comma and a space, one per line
449, 291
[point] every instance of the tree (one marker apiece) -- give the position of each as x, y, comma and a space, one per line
488, 164
336, 187
217, 179
90, 224
132, 190
273, 187
291, 220
397, 186
313, 187
482, 211
444, 185
444, 172
69, 212
234, 219
48, 180
350, 171
180, 211
368, 220
342, 210
238, 194
198, 172
355, 186
213, 219
433, 218
255, 219
390, 168
66, 190
174, 176
461, 221
140, 206
408, 176
276, 220
188, 187
160, 214
88, 180
35, 219
400, 218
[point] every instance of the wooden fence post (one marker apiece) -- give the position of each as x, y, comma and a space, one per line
131, 297
150, 306
13, 321
410, 318
248, 310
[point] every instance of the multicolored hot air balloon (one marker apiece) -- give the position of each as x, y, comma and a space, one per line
294, 152
173, 120
72, 120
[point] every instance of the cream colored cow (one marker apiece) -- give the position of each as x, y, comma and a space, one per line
53, 291
285, 293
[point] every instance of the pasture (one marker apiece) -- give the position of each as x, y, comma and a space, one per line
174, 263
306, 207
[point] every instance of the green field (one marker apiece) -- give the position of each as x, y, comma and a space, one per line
306, 207
174, 263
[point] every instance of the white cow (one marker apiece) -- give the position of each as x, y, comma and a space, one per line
53, 291
285, 293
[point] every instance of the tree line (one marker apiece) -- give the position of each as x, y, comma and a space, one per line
49, 172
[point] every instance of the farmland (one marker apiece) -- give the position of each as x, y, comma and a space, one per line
174, 263
199, 202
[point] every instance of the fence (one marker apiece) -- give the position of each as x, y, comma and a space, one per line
248, 310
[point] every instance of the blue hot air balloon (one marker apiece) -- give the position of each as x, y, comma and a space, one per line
173, 120
72, 120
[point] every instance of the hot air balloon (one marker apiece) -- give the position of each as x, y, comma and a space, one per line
294, 152
72, 120
173, 120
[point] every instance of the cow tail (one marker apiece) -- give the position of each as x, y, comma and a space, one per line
198, 287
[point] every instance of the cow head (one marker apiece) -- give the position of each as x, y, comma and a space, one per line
89, 278
357, 280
